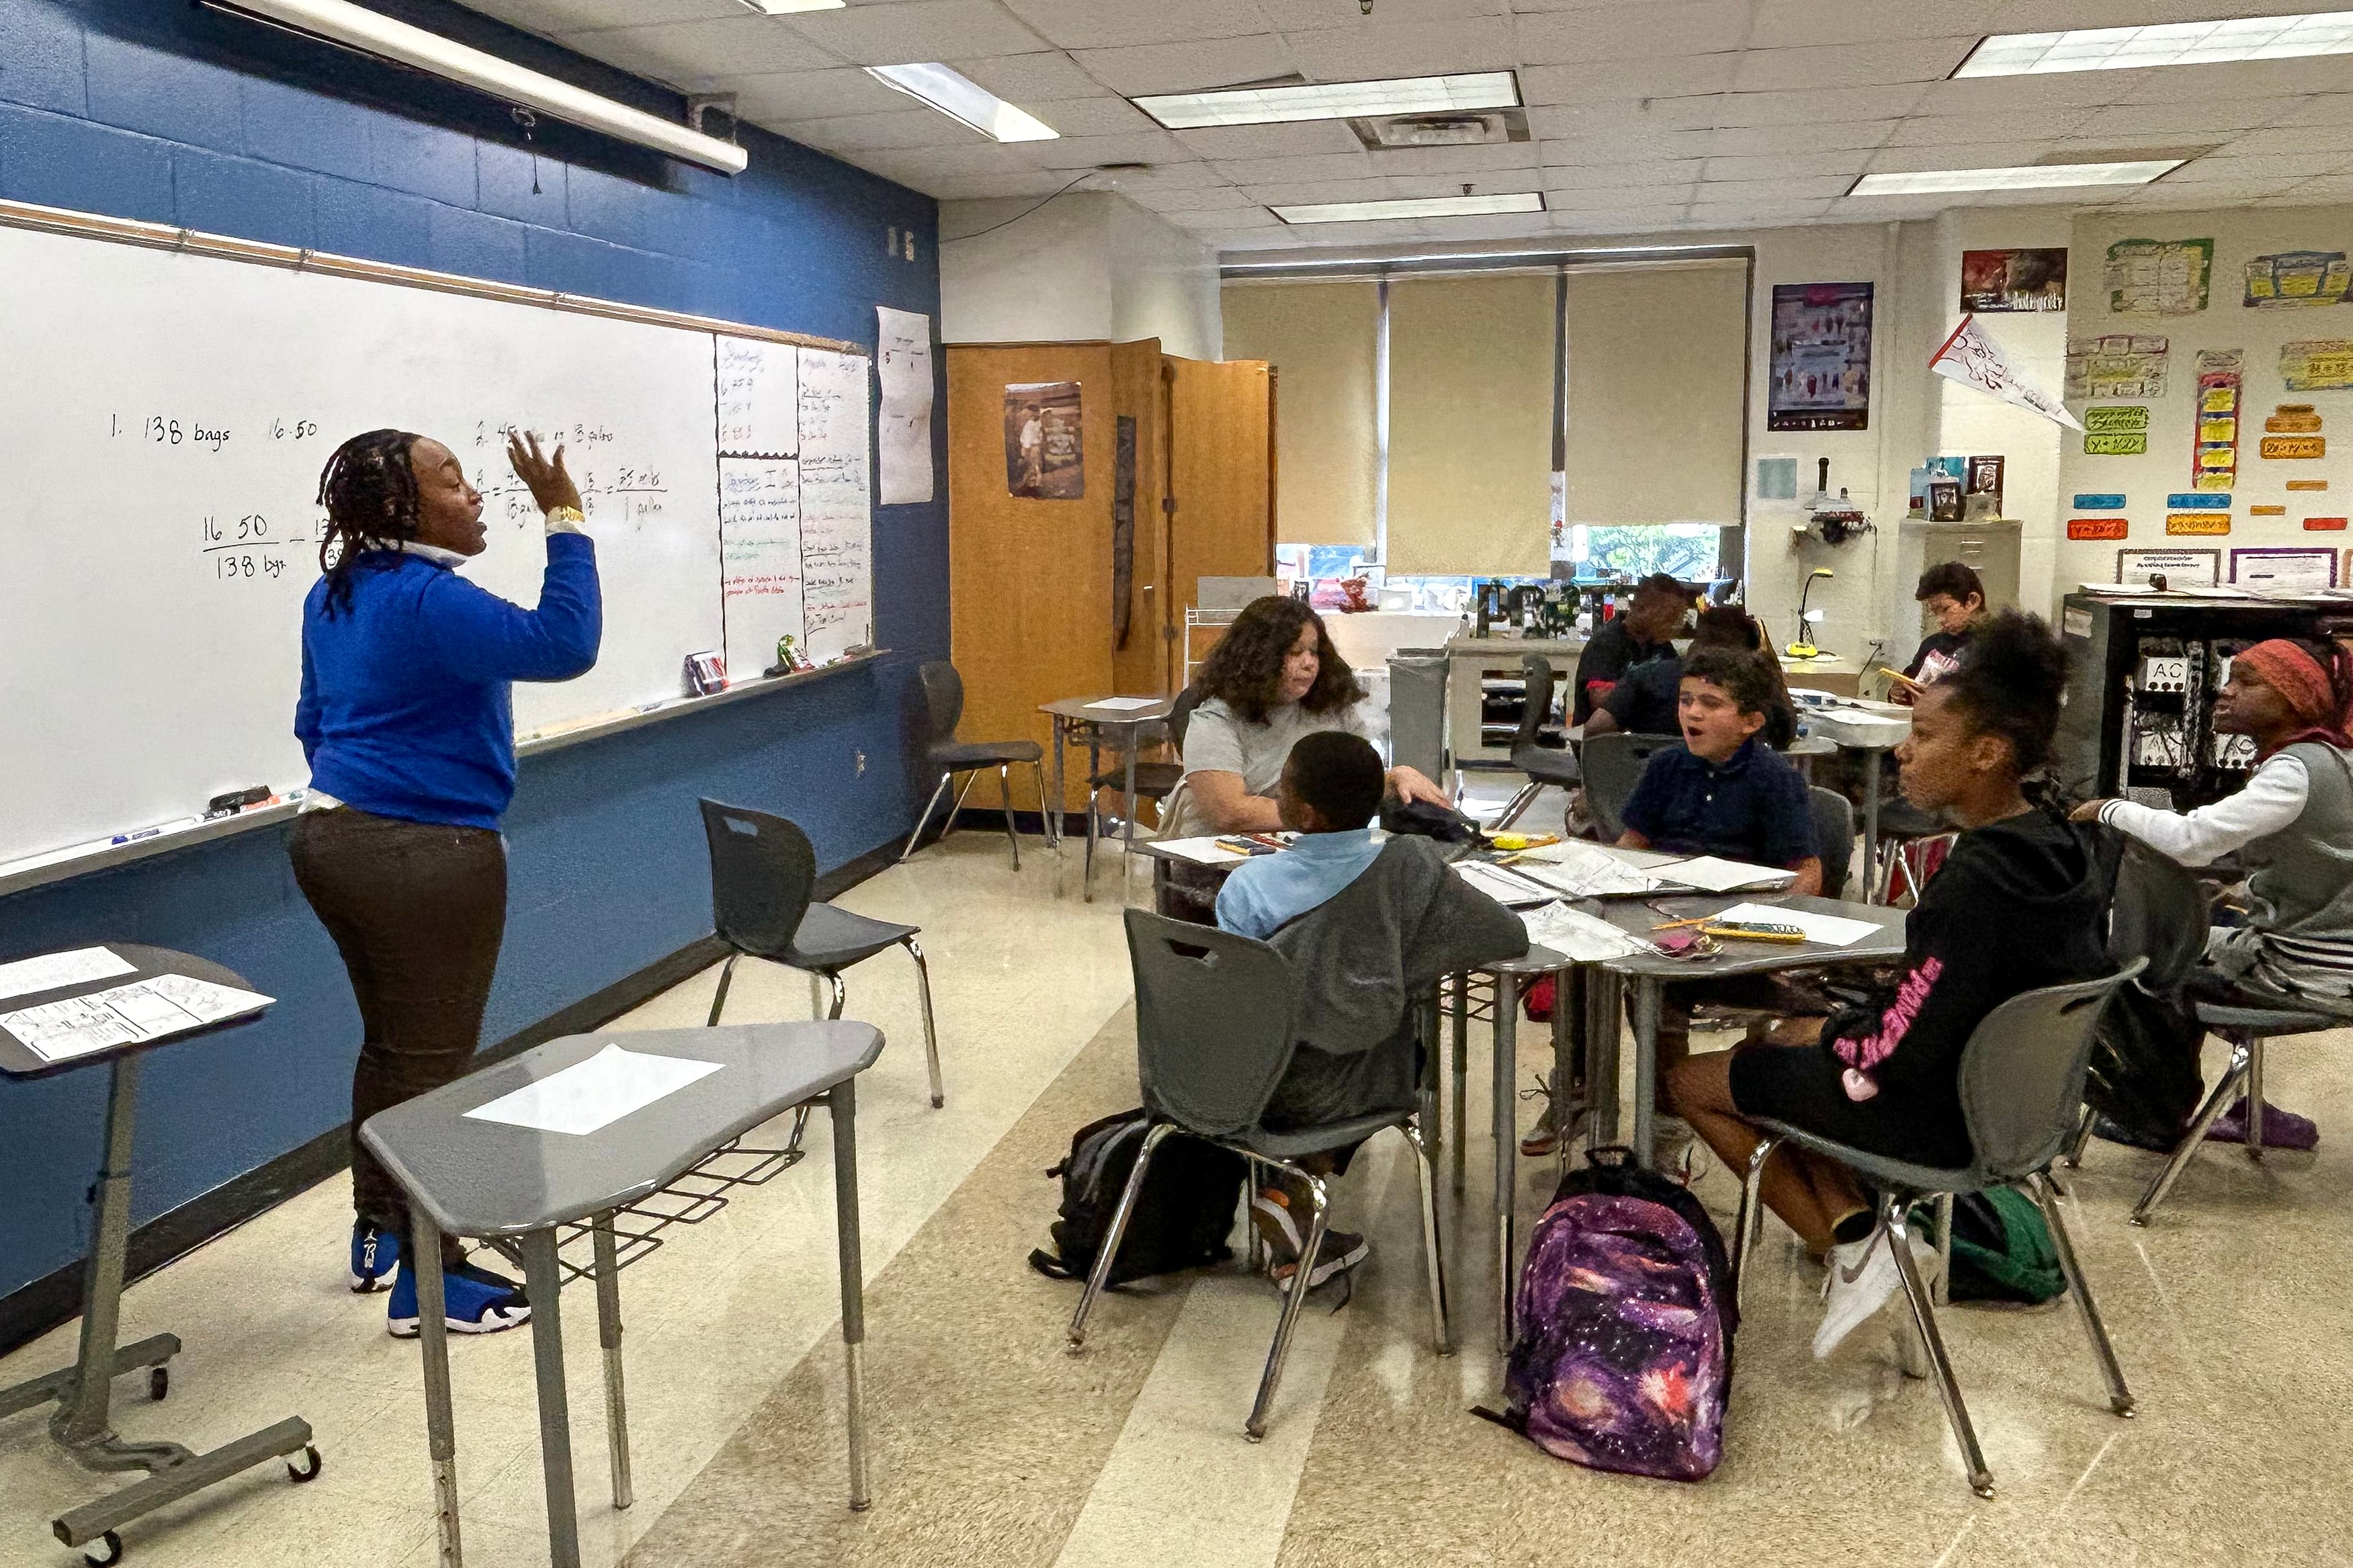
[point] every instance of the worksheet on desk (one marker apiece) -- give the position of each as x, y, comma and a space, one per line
1833, 931
53, 971
151, 1009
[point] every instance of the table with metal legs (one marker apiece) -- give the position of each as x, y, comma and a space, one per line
1082, 718
468, 1176
82, 1424
1508, 977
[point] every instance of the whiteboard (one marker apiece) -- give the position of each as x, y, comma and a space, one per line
161, 429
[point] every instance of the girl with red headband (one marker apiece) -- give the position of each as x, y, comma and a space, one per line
2292, 827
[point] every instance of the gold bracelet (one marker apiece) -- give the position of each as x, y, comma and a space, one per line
565, 514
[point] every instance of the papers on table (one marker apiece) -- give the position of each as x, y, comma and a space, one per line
1575, 934
149, 1009
1585, 871
1202, 851
1506, 887
52, 971
593, 1093
1833, 931
1718, 876
1126, 704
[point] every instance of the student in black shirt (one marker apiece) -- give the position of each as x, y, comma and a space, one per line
1646, 631
1955, 596
1644, 702
2019, 904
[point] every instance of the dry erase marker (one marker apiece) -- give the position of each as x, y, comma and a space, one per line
172, 827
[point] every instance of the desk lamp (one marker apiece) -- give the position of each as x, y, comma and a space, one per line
1804, 646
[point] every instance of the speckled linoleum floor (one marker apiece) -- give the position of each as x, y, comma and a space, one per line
2230, 1315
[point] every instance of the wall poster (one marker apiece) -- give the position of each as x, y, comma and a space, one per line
2294, 277
2201, 567
2317, 365
2119, 365
2289, 570
1043, 446
2214, 461
1821, 357
1994, 280
2158, 277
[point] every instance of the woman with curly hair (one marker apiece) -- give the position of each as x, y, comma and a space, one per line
406, 720
1274, 678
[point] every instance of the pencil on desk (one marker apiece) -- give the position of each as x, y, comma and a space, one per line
1743, 934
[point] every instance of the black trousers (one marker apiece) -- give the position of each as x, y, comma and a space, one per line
417, 910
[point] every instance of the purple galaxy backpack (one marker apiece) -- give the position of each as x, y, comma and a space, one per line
1623, 1357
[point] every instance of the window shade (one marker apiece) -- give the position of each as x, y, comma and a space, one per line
1656, 361
1319, 338
1471, 409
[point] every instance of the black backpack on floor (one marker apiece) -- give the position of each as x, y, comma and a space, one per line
1181, 1218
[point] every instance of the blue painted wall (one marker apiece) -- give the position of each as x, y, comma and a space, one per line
158, 110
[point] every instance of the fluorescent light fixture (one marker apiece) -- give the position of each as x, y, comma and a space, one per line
2024, 177
787, 8
2163, 44
1421, 207
962, 99
364, 31
1334, 100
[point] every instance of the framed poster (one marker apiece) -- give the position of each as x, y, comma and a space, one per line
2289, 569
1043, 441
1821, 357
2196, 567
1996, 280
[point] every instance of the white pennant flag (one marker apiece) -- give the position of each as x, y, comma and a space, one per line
1975, 360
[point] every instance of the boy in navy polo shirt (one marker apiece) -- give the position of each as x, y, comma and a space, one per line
1723, 791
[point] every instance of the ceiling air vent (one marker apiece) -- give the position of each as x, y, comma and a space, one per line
1450, 129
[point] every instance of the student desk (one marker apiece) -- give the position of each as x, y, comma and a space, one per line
82, 1424
1084, 719
470, 1177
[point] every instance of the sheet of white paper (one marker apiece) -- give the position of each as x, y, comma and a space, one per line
593, 1093
1718, 876
1202, 852
1503, 886
1126, 704
903, 358
1834, 930
1578, 935
1584, 870
151, 1009
51, 969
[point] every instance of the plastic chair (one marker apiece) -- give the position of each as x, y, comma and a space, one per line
1833, 837
2246, 1029
2157, 911
1542, 764
1612, 765
762, 876
1213, 1039
2021, 1081
1902, 825
944, 705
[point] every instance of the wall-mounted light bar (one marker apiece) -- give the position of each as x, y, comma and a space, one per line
355, 27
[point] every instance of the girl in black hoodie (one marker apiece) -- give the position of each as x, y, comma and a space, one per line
2019, 903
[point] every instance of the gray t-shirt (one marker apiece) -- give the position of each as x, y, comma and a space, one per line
1217, 740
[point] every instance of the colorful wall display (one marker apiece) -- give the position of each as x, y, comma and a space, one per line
2195, 523
2324, 525
2176, 566
2267, 511
2120, 430
2119, 364
2296, 278
2098, 527
1821, 357
2317, 365
2100, 502
2308, 484
2214, 460
2292, 569
1994, 280
2158, 277
2279, 447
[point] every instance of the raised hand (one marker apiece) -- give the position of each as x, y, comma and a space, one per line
551, 487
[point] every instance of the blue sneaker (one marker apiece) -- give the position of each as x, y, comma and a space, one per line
474, 1301
375, 1253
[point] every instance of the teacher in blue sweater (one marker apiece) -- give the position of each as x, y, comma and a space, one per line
407, 719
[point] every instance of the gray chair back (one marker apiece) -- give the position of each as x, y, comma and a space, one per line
2158, 913
2021, 1077
1613, 764
1833, 837
763, 875
1213, 1022
1535, 672
942, 699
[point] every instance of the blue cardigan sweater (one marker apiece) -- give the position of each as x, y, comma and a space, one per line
406, 708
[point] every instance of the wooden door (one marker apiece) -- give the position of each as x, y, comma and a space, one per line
1220, 476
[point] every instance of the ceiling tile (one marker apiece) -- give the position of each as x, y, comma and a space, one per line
1086, 151
1647, 219
1189, 68
1620, 197
2289, 139
1188, 176
897, 128
691, 54
2321, 108
1098, 116
2271, 166
1427, 49
1638, 116
2240, 78
2186, 197
1624, 177
992, 187
1485, 157
1851, 65
1940, 129
980, 156
1304, 139
917, 30
1357, 165
1797, 108
1107, 23
1790, 166
550, 18
2329, 187
1585, 83
1293, 192
1020, 78
1829, 136
1963, 155
1600, 151
1492, 183
1634, 32
2125, 124
1208, 198
1795, 23
808, 95
2060, 89
1769, 193
1752, 215
1226, 218
1295, 16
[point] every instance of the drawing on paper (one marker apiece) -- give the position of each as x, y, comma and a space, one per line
2158, 277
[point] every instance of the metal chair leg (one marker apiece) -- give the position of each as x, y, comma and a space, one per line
2255, 1097
1295, 1298
1943, 1284
1517, 805
1109, 1248
1005, 792
1255, 1252
1751, 1222
2120, 1399
1047, 808
970, 779
719, 997
2082, 1138
1433, 1252
930, 1035
1457, 1013
2233, 1077
817, 1004
912, 838
1923, 1314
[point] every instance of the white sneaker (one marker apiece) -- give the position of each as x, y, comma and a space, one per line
1862, 1275
1680, 1155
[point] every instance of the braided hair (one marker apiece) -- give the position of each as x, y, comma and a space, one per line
2011, 682
370, 492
